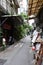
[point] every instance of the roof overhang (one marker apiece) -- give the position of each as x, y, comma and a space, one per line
17, 20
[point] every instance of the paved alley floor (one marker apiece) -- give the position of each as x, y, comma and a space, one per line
19, 54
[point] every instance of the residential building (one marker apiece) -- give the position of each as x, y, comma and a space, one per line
9, 7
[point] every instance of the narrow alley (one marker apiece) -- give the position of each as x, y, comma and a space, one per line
19, 54
21, 32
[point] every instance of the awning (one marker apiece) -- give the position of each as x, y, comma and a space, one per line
15, 20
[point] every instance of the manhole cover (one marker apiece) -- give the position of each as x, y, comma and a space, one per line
2, 61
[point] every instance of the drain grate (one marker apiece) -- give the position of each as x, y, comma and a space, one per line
2, 61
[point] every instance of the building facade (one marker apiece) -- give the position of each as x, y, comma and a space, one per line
9, 7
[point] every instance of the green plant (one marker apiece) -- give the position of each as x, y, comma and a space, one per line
21, 31
24, 16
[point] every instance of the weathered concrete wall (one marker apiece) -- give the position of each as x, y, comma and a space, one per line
39, 20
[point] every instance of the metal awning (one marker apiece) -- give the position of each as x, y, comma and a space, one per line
17, 20
34, 6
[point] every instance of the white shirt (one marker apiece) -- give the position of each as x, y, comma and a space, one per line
35, 34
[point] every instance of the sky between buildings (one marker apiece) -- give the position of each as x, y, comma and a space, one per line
23, 6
